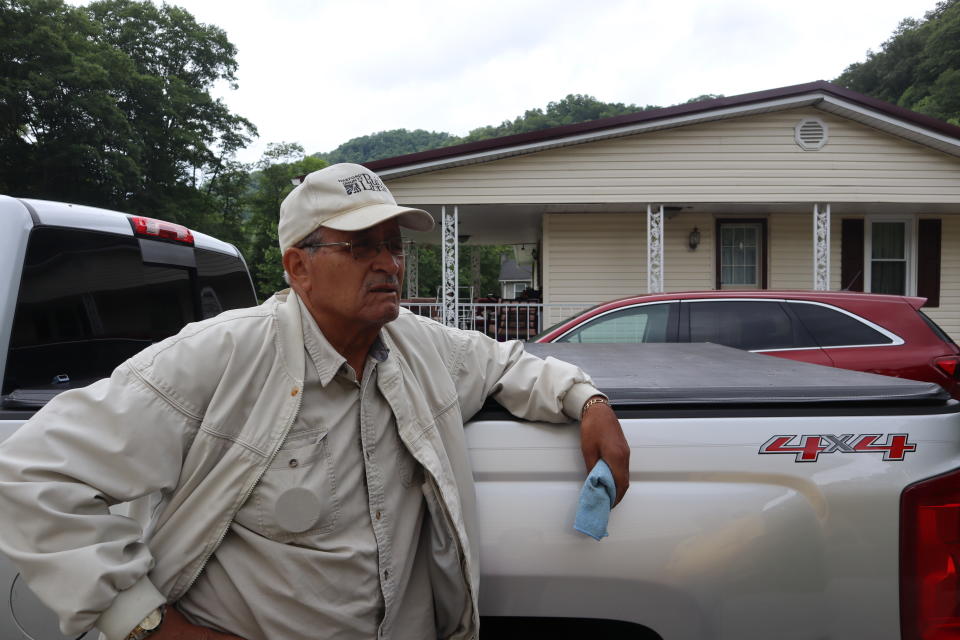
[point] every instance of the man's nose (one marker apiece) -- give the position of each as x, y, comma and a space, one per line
386, 261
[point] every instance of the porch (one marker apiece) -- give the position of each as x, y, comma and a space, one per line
589, 253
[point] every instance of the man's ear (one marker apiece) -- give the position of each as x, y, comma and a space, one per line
295, 264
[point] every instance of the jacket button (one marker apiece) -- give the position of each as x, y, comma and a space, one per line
294, 463
378, 515
294, 391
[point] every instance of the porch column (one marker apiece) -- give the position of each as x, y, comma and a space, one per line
475, 271
654, 249
413, 271
821, 247
449, 249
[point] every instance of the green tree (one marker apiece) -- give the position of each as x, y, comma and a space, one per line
62, 134
430, 260
270, 183
918, 67
110, 105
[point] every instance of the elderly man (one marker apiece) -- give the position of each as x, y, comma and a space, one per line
296, 470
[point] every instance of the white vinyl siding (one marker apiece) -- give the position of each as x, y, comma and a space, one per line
683, 268
591, 258
748, 159
947, 315
790, 251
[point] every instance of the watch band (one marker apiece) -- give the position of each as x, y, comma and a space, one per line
150, 623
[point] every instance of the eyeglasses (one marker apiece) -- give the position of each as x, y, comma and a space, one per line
363, 251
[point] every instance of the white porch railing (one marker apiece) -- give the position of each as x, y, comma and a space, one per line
504, 320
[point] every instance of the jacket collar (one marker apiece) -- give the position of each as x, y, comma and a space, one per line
326, 359
289, 333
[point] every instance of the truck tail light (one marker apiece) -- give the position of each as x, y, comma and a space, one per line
930, 559
159, 229
950, 365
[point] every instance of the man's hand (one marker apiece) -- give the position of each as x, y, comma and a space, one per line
602, 437
176, 627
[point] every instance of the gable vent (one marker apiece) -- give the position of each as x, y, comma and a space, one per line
810, 134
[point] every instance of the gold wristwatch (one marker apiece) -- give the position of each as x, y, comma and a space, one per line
148, 625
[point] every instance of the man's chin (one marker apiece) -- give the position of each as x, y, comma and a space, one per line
388, 313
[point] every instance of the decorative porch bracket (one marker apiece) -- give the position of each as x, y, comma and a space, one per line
821, 247
413, 271
449, 248
654, 249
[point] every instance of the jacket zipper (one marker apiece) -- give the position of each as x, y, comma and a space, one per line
246, 495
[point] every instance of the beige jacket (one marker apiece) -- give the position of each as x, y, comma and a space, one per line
185, 429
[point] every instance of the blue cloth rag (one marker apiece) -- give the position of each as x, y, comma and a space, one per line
596, 499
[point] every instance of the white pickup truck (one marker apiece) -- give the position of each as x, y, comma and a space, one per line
769, 498
81, 290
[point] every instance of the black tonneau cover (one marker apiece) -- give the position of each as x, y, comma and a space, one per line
697, 374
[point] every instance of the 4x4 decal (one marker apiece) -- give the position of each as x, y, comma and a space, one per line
808, 448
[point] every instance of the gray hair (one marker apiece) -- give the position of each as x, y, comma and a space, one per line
315, 237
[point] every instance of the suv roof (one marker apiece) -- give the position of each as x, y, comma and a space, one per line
799, 294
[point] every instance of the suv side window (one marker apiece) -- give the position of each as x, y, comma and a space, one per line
832, 328
643, 323
744, 324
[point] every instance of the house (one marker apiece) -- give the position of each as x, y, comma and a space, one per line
811, 186
514, 278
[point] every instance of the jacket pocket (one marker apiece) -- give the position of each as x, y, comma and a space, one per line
297, 495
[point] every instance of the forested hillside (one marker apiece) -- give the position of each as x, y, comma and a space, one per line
570, 110
918, 67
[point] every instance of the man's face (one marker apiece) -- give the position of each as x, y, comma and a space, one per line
347, 291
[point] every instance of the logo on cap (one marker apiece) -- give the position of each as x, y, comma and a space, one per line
362, 182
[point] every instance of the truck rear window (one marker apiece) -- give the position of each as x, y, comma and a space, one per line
90, 300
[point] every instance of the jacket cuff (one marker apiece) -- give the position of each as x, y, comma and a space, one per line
128, 609
576, 397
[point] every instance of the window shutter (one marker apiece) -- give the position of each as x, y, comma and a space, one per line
851, 254
928, 261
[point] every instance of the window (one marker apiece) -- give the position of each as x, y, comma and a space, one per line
741, 254
834, 328
892, 255
743, 324
223, 281
643, 323
87, 302
889, 256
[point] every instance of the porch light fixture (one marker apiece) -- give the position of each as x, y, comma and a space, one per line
694, 238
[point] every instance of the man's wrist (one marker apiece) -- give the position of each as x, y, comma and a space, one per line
592, 402
575, 397
128, 609
150, 623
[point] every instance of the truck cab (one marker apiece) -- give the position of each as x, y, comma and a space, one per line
83, 289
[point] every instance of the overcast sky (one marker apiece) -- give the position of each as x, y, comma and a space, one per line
320, 73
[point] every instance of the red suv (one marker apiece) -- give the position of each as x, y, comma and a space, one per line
881, 334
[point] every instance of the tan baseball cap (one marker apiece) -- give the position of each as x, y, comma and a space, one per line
345, 197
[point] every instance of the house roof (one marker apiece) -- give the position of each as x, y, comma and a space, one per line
820, 94
510, 270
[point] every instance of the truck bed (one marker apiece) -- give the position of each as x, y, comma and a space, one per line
727, 531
